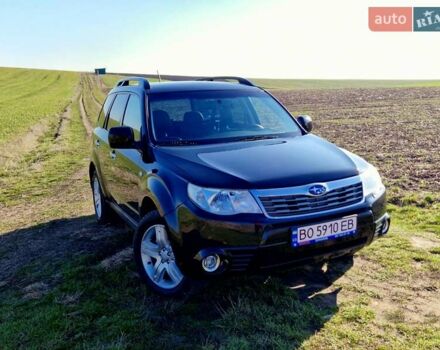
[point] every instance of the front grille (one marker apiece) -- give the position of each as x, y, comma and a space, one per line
288, 205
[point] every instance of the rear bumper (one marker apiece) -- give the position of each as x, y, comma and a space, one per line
259, 244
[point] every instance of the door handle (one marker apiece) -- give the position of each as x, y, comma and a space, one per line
97, 143
113, 154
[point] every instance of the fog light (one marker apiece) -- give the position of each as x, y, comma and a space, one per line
211, 263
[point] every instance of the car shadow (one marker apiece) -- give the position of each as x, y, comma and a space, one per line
259, 309
310, 280
49, 245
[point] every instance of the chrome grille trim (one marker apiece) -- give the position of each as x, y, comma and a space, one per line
297, 201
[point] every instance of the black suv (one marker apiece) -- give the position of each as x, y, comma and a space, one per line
217, 177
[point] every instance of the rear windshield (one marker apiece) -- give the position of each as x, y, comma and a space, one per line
195, 117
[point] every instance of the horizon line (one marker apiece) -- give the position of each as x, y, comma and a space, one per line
154, 75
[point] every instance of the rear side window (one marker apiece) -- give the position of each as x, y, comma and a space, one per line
117, 111
104, 110
133, 116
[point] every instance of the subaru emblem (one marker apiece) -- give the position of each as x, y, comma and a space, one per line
317, 190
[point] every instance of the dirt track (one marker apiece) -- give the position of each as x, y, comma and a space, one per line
50, 230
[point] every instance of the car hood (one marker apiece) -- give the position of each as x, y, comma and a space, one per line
260, 164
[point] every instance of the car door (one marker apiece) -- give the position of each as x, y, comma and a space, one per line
129, 161
111, 171
100, 141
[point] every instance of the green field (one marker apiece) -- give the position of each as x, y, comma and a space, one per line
31, 96
66, 282
110, 80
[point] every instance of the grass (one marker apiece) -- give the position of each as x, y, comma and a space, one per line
92, 308
411, 222
110, 80
103, 316
93, 97
28, 97
60, 297
52, 162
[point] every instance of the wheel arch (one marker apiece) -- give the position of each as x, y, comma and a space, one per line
158, 197
92, 169
147, 206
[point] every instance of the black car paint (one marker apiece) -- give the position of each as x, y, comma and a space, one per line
159, 176
273, 163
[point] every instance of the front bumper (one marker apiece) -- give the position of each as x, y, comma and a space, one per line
256, 243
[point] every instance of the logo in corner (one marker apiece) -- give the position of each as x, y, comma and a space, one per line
317, 190
404, 19
426, 19
390, 19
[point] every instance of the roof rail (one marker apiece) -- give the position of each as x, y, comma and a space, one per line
143, 83
240, 80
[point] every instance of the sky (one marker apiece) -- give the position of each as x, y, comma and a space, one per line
260, 39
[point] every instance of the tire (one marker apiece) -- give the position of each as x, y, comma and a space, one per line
154, 257
102, 209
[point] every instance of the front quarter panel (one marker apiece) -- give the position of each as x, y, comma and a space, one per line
157, 190
166, 189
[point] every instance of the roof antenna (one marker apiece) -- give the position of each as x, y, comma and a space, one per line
158, 76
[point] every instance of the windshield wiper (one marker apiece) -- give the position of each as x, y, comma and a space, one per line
178, 143
257, 137
210, 141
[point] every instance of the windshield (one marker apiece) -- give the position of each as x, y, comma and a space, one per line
194, 117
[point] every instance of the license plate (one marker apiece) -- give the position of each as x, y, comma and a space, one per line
324, 231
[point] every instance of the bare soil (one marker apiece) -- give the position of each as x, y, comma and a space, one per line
10, 152
396, 129
85, 119
425, 243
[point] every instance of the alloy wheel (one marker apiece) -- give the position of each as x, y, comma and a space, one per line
97, 197
158, 258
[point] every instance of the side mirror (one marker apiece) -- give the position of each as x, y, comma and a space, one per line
121, 137
306, 122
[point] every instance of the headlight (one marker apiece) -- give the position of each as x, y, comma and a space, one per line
223, 202
372, 182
